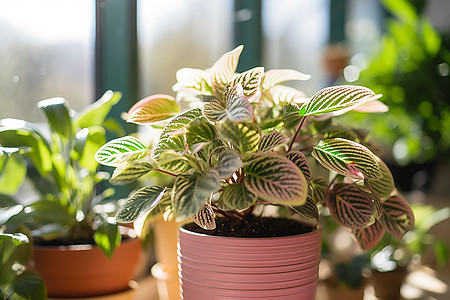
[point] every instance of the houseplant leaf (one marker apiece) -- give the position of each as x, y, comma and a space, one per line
236, 196
271, 140
369, 236
153, 109
318, 189
13, 170
190, 192
120, 150
96, 113
229, 161
127, 173
193, 79
383, 186
349, 206
347, 158
223, 69
274, 178
29, 285
200, 130
299, 159
308, 210
249, 80
397, 216
144, 200
244, 137
57, 111
276, 76
337, 100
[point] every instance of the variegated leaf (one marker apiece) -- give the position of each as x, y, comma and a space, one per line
153, 109
346, 157
350, 207
308, 210
140, 203
223, 69
229, 161
249, 80
200, 130
397, 217
337, 100
276, 179
120, 150
129, 172
172, 140
383, 186
276, 76
205, 218
318, 189
214, 110
190, 192
244, 137
281, 94
194, 79
368, 237
271, 140
236, 197
299, 159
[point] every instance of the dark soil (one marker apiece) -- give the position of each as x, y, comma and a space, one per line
254, 227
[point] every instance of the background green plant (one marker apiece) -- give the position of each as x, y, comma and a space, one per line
57, 161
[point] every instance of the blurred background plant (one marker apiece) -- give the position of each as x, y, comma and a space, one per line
49, 179
411, 70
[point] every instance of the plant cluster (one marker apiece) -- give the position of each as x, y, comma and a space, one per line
247, 140
56, 160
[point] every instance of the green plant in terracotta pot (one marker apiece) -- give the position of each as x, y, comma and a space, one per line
53, 162
247, 145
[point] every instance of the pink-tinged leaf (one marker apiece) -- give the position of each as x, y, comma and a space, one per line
284, 94
372, 107
299, 159
238, 108
223, 69
350, 207
275, 178
205, 218
192, 79
271, 141
397, 217
249, 80
354, 172
276, 76
368, 237
153, 109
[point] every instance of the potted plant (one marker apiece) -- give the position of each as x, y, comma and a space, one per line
15, 281
391, 259
245, 146
66, 208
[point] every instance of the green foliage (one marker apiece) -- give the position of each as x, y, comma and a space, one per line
249, 141
57, 160
411, 71
15, 281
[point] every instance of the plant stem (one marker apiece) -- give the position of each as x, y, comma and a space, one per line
291, 143
165, 172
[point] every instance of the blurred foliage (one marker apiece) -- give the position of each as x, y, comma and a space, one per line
411, 70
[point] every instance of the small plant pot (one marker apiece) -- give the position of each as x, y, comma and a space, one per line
84, 270
222, 267
387, 285
335, 292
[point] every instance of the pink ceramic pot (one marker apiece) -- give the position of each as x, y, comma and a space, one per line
246, 268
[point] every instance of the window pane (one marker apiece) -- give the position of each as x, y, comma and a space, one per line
46, 50
173, 34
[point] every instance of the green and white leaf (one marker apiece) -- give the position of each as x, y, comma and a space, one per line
120, 150
205, 218
275, 179
249, 80
200, 130
144, 200
318, 189
337, 100
223, 69
244, 137
299, 159
229, 161
129, 172
193, 79
236, 196
190, 192
281, 94
276, 76
309, 210
383, 186
153, 109
271, 141
348, 158
350, 207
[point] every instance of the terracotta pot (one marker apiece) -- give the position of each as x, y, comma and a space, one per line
262, 268
387, 285
84, 270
